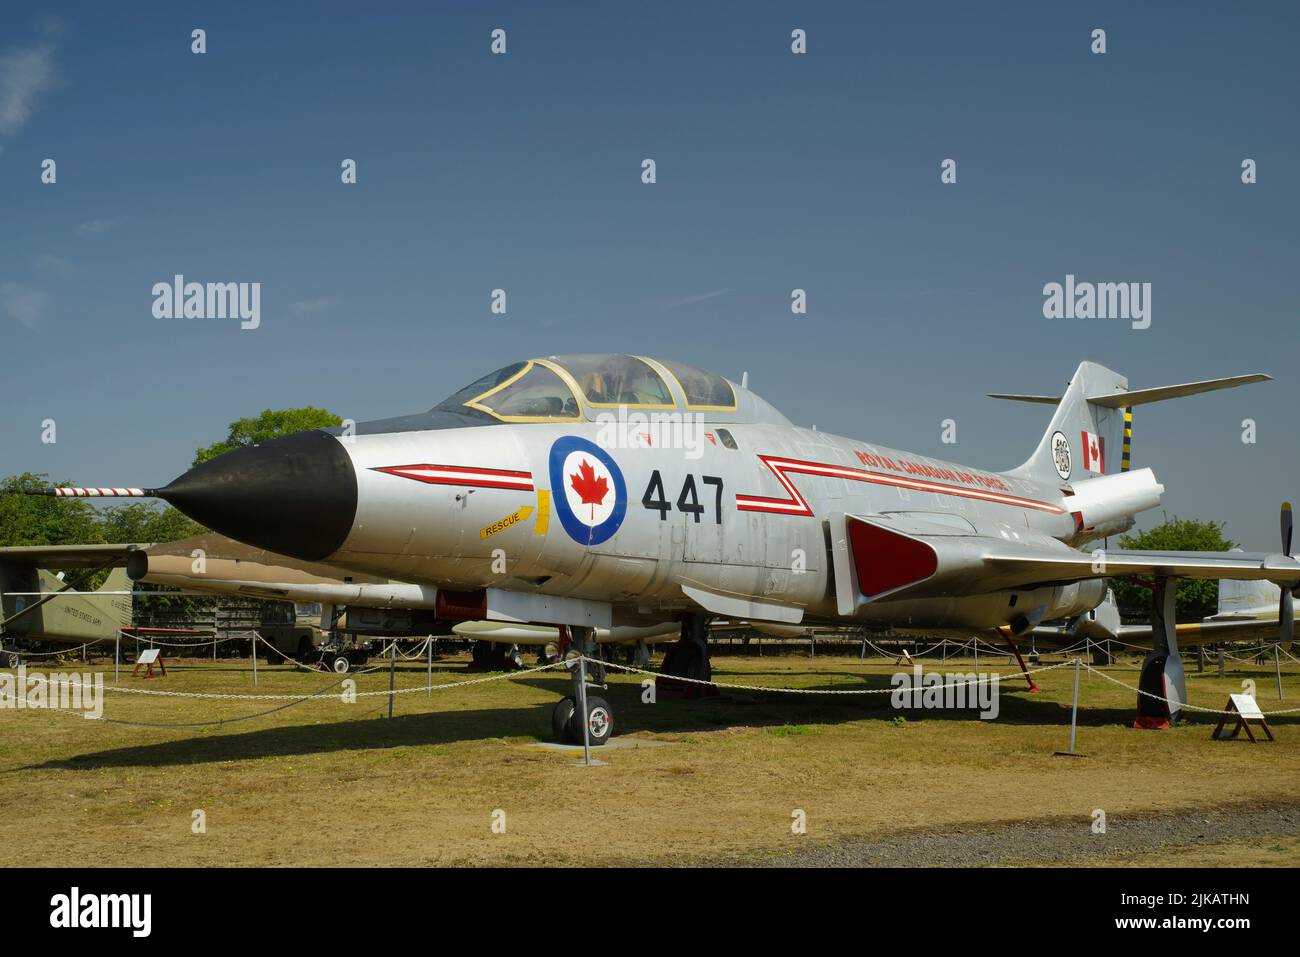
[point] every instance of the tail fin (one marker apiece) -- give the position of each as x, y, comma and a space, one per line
117, 606
1080, 441
1247, 598
1091, 432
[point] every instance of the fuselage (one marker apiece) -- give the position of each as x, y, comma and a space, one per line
480, 507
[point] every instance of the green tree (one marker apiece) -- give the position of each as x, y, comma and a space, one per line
270, 424
44, 520
1196, 598
148, 523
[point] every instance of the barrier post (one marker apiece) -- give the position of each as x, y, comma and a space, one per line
253, 645
582, 705
117, 657
392, 673
428, 642
1277, 667
1074, 713
1074, 710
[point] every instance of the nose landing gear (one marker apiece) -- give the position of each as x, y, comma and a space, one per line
568, 717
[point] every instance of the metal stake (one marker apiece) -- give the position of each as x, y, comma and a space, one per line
429, 649
1074, 710
117, 656
582, 705
1277, 665
392, 673
253, 645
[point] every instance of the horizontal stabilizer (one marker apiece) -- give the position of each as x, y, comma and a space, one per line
68, 556
1043, 399
1119, 400
1124, 398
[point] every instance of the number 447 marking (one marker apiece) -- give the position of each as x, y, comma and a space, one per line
688, 500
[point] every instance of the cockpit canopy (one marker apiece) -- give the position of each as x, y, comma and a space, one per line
584, 387
564, 388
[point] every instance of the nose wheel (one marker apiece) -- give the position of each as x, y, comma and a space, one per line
570, 721
566, 721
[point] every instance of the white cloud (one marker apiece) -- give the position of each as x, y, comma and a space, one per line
55, 266
25, 75
692, 300
311, 307
93, 227
23, 304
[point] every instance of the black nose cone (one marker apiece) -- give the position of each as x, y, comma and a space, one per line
295, 495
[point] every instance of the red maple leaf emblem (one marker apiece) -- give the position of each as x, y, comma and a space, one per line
591, 488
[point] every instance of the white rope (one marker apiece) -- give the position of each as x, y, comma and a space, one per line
735, 687
1189, 707
51, 654
215, 696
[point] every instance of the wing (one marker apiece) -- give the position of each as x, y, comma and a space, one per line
1036, 564
68, 556
897, 556
1208, 632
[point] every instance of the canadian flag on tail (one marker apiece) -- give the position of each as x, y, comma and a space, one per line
1094, 448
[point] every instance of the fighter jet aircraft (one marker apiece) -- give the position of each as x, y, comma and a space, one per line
593, 491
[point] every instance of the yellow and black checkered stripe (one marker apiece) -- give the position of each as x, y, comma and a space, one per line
1128, 438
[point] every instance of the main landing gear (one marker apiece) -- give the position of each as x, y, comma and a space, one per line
495, 656
688, 657
567, 718
1162, 671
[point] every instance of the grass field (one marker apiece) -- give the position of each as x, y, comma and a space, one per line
329, 783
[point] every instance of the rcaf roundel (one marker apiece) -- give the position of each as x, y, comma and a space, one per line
588, 490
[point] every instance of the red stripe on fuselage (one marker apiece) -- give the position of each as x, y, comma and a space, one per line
462, 475
796, 504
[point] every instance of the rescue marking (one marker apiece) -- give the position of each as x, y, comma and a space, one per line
462, 475
796, 504
543, 511
515, 517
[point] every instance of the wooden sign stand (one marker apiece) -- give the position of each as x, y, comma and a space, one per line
1246, 711
149, 657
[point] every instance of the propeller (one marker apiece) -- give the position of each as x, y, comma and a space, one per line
1286, 608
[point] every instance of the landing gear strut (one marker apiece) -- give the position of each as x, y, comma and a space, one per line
1162, 671
688, 657
568, 717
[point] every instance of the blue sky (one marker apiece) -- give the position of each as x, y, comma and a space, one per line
775, 171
